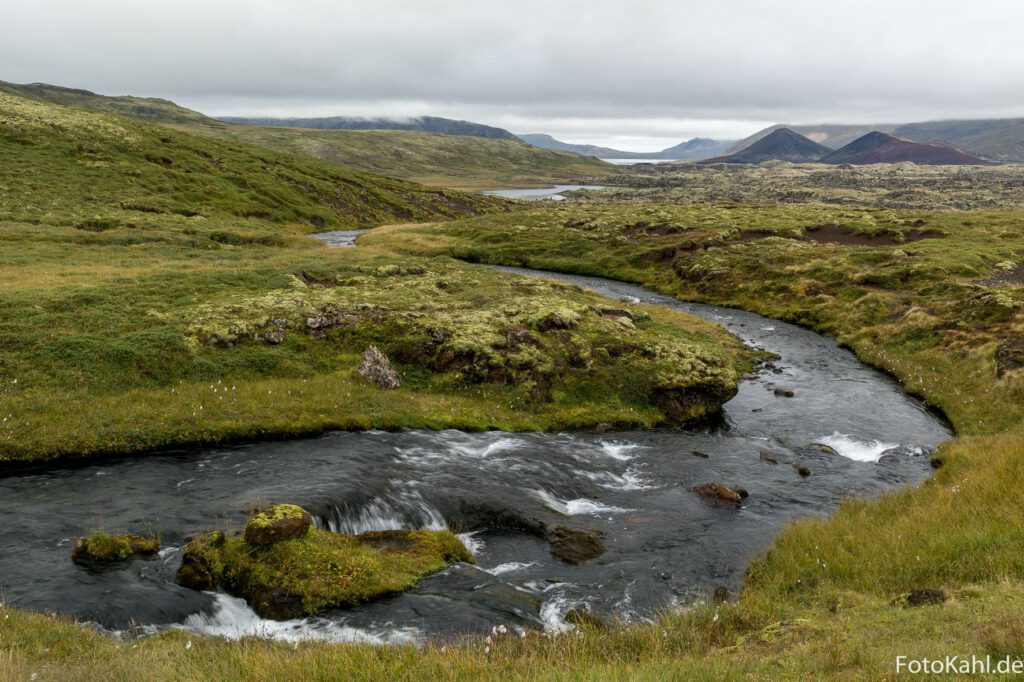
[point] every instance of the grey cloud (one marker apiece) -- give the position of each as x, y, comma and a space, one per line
726, 65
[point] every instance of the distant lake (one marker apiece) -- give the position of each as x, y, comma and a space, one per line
555, 193
626, 162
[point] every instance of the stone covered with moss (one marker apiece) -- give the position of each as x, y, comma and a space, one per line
104, 548
278, 523
317, 570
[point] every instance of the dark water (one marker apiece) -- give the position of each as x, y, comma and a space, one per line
339, 237
664, 545
555, 193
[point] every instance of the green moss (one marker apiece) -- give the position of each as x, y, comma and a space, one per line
319, 570
100, 548
278, 512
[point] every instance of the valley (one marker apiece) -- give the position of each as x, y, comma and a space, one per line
568, 385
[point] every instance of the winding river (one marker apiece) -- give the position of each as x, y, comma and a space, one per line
665, 546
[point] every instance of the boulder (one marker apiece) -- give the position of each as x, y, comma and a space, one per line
277, 524
200, 569
768, 456
785, 392
717, 492
376, 369
802, 469
575, 545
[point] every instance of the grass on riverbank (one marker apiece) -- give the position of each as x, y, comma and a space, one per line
859, 640
113, 350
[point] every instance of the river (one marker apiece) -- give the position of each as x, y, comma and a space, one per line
665, 546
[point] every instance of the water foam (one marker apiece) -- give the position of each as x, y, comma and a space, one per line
387, 513
856, 449
579, 506
472, 543
619, 451
232, 618
510, 567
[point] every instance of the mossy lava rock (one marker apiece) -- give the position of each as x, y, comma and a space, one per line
276, 524
103, 548
317, 570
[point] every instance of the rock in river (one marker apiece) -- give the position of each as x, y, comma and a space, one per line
305, 574
717, 491
276, 524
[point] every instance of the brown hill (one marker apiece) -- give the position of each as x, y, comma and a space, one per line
879, 147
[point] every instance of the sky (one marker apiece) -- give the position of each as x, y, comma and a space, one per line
638, 75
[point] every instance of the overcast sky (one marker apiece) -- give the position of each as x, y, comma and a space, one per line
637, 74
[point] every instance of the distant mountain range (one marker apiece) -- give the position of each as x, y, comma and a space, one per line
981, 139
690, 150
995, 139
781, 144
784, 144
425, 124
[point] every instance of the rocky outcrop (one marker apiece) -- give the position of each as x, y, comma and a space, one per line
377, 369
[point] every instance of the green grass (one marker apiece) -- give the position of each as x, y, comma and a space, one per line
857, 639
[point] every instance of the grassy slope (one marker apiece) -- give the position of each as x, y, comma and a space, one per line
67, 166
150, 109
441, 160
436, 160
140, 267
